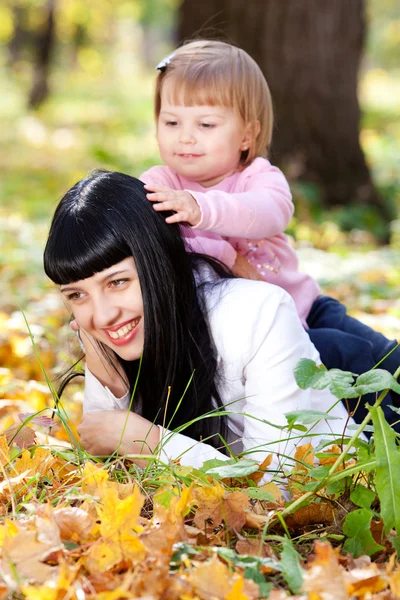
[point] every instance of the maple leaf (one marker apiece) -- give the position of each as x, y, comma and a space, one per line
209, 502
40, 463
233, 510
118, 529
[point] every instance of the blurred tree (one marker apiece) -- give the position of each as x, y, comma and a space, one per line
44, 49
310, 53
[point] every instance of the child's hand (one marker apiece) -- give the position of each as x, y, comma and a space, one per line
185, 206
242, 268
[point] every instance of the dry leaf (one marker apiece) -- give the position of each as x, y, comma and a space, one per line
324, 579
74, 523
25, 554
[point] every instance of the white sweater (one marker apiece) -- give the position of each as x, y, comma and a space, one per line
258, 339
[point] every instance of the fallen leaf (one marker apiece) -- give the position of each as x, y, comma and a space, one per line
324, 578
74, 523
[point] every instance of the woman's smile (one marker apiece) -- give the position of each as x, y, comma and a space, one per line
124, 332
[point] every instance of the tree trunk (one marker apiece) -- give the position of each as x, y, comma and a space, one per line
309, 51
20, 36
45, 43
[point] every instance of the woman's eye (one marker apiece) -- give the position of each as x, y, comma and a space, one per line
117, 282
171, 123
74, 296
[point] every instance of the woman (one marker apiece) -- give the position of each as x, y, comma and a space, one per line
170, 337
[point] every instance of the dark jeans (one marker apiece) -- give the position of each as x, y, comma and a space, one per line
347, 344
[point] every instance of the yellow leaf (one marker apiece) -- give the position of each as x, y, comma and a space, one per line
4, 451
180, 506
41, 462
94, 479
9, 529
118, 528
236, 592
44, 592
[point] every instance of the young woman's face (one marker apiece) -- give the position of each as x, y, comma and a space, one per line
201, 143
109, 306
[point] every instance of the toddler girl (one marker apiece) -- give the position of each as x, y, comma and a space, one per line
214, 120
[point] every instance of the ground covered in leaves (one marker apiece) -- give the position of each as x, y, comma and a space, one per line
73, 528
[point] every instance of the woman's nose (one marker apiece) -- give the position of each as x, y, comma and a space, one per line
105, 312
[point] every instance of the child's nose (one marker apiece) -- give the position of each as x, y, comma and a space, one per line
187, 136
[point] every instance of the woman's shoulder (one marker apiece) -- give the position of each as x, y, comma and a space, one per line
242, 294
240, 312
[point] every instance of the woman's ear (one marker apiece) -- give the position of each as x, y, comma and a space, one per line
251, 133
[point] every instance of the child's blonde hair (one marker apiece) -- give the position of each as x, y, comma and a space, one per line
215, 73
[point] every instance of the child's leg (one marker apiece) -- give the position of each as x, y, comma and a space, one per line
327, 312
340, 350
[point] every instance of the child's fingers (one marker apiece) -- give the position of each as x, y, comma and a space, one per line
160, 196
168, 205
179, 217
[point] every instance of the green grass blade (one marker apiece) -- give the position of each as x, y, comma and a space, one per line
387, 478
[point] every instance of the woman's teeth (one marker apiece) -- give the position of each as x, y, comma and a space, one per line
123, 331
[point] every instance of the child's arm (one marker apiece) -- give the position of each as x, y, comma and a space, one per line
262, 210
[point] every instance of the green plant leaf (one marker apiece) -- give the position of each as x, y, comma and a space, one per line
387, 478
309, 375
362, 496
307, 417
259, 494
291, 567
240, 468
255, 574
356, 527
375, 381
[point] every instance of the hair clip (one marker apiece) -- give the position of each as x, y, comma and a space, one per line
165, 62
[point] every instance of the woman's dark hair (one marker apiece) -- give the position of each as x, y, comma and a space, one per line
106, 218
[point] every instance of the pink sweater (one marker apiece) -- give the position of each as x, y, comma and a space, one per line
246, 213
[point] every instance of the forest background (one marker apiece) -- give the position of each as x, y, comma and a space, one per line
76, 94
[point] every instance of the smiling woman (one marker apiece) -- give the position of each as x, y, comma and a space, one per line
209, 355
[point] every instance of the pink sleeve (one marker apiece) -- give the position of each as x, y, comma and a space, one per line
263, 209
160, 175
210, 244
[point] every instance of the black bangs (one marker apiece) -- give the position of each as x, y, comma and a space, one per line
82, 250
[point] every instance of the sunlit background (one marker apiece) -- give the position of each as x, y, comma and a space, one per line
97, 112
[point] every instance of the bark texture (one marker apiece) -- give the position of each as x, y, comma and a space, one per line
41, 67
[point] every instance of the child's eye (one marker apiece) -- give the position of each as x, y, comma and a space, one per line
115, 283
207, 125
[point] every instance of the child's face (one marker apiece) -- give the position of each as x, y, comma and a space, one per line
201, 143
109, 306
